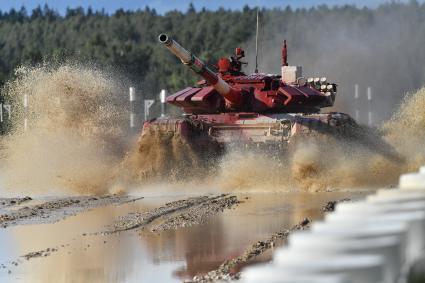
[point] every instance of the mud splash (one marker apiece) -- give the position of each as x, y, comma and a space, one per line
75, 130
76, 139
406, 130
162, 155
313, 166
333, 164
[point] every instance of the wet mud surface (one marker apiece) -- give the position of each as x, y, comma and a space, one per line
8, 202
42, 253
55, 210
176, 214
331, 205
175, 238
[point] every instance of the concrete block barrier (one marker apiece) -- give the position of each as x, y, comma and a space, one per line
269, 273
390, 248
374, 240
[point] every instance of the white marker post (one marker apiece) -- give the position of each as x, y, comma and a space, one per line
369, 106
356, 102
25, 112
162, 97
8, 109
148, 104
132, 98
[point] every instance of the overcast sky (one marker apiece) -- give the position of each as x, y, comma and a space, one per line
163, 6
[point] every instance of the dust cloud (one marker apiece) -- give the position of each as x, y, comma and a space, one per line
75, 135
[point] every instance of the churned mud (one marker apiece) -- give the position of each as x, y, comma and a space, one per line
331, 205
197, 214
42, 253
176, 214
228, 269
9, 202
55, 210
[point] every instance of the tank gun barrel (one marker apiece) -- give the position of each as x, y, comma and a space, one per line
231, 94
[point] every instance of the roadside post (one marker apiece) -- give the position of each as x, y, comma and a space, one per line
148, 104
356, 103
132, 98
369, 106
162, 97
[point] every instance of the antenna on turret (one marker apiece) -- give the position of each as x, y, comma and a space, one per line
256, 47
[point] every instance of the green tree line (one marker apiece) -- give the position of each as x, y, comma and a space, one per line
125, 40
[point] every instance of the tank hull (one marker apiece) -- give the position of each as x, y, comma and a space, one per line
252, 129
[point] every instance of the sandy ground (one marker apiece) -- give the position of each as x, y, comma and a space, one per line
198, 238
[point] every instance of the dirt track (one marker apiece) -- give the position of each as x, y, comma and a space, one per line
176, 214
7, 202
54, 210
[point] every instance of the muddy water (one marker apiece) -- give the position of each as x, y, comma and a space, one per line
143, 256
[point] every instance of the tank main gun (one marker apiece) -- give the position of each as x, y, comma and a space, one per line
232, 95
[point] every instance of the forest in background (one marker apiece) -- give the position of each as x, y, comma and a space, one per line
382, 48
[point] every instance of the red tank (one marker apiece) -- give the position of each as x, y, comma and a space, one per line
231, 107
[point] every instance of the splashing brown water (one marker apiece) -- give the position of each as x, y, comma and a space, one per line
313, 166
162, 155
74, 134
332, 164
76, 140
406, 129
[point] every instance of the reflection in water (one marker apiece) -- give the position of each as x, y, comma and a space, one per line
148, 257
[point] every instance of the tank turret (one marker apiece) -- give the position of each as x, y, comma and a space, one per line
230, 107
288, 92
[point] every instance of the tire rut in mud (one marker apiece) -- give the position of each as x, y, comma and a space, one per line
197, 214
176, 214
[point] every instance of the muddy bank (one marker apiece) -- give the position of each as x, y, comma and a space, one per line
197, 214
331, 205
176, 214
55, 210
228, 269
9, 202
42, 253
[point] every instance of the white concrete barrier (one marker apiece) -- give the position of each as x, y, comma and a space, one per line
390, 248
374, 240
415, 221
412, 181
269, 273
363, 268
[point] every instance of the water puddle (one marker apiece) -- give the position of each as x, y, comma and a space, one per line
143, 256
